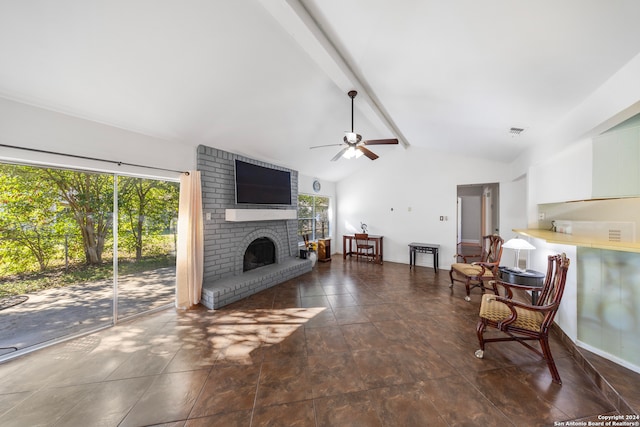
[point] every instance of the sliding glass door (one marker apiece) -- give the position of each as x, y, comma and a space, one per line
59, 273
147, 220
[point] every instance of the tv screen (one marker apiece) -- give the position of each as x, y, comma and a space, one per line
261, 185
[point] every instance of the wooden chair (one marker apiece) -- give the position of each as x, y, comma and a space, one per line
363, 246
476, 273
523, 322
468, 253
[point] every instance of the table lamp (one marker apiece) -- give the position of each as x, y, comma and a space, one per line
518, 245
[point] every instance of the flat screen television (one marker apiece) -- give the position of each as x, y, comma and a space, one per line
263, 186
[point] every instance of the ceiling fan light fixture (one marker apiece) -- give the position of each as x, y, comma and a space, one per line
351, 153
355, 146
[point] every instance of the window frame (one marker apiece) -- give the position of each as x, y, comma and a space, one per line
314, 217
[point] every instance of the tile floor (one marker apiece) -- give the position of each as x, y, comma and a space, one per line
349, 344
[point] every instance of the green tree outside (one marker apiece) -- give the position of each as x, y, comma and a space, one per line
147, 209
313, 216
51, 218
89, 196
30, 218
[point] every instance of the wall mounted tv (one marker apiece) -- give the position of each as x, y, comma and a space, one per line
260, 185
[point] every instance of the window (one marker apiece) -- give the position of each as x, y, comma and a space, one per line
313, 216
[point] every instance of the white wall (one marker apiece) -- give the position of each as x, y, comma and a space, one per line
471, 219
402, 196
513, 202
26, 126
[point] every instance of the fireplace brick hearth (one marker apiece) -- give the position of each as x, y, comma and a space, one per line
225, 242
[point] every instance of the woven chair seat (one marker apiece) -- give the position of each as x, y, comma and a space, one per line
471, 270
497, 311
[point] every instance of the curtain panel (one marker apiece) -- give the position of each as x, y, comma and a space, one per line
190, 254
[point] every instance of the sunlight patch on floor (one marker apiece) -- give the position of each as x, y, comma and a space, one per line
240, 334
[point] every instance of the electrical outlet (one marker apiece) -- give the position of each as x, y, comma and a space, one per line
207, 216
541, 215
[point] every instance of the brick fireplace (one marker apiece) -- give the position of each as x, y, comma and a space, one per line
226, 240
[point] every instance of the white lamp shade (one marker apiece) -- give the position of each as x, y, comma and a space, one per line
519, 244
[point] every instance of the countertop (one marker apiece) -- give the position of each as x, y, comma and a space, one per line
583, 241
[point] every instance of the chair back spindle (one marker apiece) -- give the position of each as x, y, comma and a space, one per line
363, 246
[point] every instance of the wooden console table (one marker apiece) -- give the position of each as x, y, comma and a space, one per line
428, 248
347, 246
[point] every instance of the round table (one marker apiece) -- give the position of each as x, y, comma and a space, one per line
523, 277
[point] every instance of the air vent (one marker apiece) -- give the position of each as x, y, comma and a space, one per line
611, 231
515, 131
615, 235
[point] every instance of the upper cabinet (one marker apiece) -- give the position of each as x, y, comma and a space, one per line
564, 176
616, 164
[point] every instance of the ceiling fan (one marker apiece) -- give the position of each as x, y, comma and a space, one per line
355, 146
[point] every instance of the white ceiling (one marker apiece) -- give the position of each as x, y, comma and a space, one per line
268, 78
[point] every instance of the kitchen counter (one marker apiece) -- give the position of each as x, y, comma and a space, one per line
582, 241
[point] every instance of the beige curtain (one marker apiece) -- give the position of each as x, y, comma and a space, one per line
189, 262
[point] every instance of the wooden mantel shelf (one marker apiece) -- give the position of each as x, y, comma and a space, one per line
583, 241
242, 215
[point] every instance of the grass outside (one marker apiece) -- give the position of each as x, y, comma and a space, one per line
76, 274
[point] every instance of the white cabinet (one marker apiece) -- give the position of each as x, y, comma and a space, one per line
616, 164
564, 176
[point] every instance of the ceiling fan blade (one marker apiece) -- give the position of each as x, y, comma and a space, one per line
328, 145
370, 154
381, 141
340, 153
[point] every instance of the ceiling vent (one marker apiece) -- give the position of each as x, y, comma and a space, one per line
515, 131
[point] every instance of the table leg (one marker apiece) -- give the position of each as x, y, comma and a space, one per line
377, 251
435, 260
344, 247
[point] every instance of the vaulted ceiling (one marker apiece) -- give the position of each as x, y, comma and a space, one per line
269, 78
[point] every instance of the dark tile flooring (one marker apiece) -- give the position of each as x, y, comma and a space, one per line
349, 344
